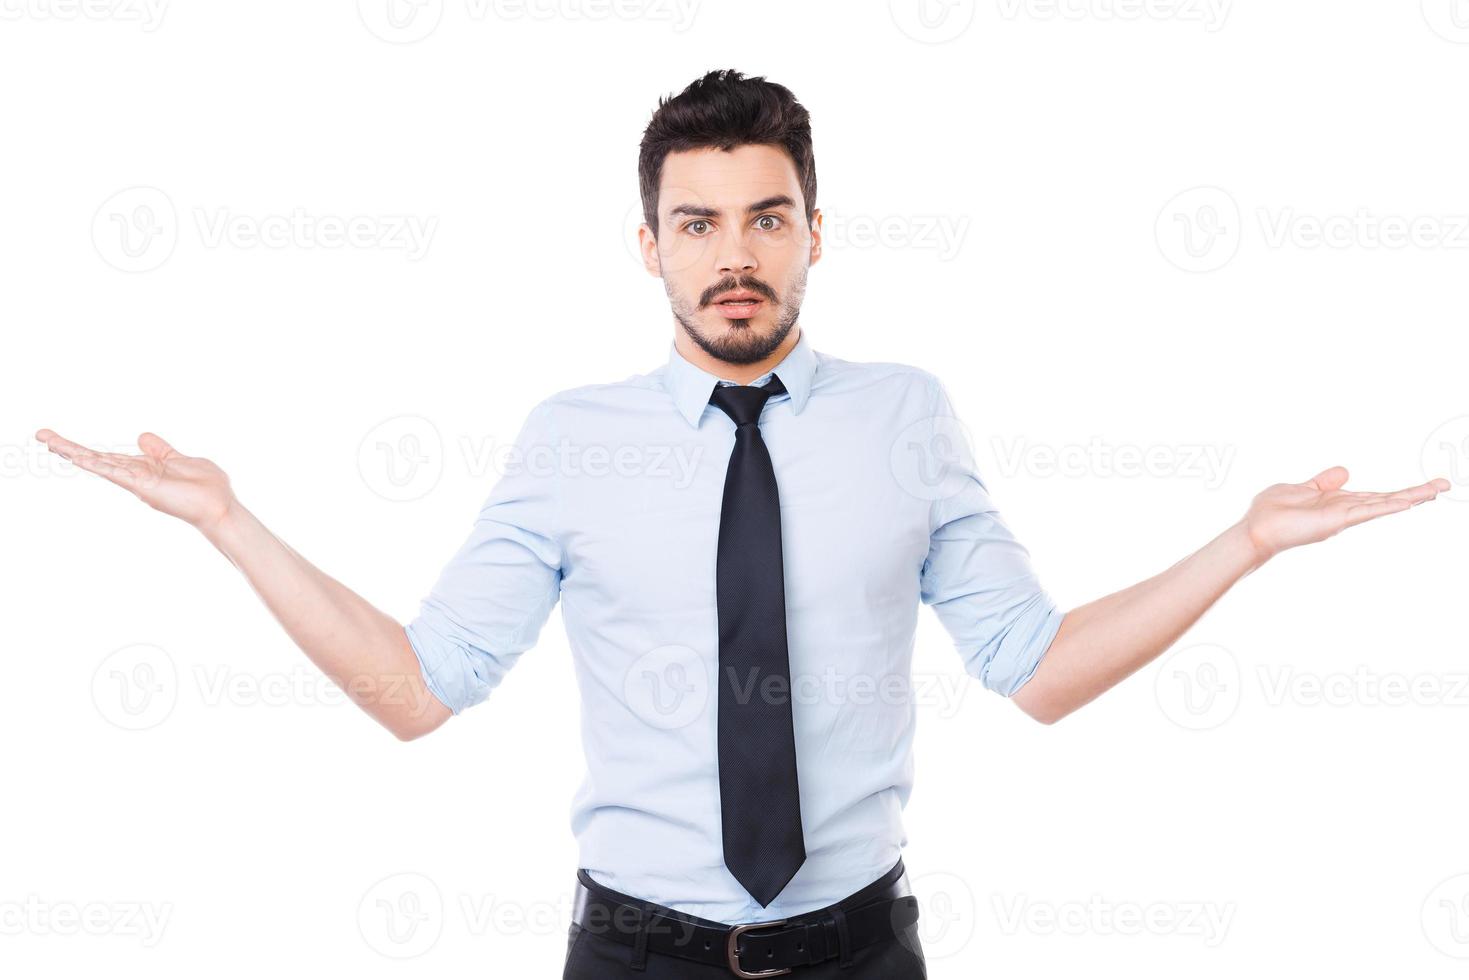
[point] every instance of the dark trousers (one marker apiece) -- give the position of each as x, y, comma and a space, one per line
590, 956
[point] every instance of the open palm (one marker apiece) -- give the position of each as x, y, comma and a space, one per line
1289, 514
188, 487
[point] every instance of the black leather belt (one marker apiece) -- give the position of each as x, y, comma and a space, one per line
875, 912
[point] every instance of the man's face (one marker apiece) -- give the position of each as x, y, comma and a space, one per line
732, 223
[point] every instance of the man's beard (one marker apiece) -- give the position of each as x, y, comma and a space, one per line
742, 343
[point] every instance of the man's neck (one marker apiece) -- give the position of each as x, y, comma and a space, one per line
738, 373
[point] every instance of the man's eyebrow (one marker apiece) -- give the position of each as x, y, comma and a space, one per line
764, 204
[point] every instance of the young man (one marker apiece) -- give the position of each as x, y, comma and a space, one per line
740, 540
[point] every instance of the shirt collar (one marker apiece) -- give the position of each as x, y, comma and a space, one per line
691, 386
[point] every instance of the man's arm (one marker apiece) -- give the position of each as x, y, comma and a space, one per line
362, 649
1105, 641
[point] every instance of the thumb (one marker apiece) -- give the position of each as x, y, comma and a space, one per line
1330, 478
155, 446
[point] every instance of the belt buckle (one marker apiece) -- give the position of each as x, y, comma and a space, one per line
733, 959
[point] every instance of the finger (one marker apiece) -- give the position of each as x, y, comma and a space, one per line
1330, 478
1415, 495
110, 465
153, 445
119, 473
67, 449
1377, 508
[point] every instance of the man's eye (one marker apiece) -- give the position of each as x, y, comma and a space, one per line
694, 226
774, 220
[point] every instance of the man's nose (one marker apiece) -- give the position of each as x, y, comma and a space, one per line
735, 259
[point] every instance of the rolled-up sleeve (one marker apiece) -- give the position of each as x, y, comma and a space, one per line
496, 592
979, 578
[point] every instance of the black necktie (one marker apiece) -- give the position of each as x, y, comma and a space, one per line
758, 800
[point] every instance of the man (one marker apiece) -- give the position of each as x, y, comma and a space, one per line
728, 535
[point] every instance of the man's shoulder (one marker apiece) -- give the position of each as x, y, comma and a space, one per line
843, 373
600, 394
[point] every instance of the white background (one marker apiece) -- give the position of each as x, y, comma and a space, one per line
1001, 184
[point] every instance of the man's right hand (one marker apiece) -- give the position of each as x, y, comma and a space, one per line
190, 488
362, 649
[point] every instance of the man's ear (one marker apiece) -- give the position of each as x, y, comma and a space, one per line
815, 235
648, 249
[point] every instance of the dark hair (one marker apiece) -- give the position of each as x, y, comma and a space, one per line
725, 109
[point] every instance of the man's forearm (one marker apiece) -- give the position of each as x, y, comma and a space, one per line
1103, 642
362, 649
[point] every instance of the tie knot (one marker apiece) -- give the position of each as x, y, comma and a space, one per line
743, 403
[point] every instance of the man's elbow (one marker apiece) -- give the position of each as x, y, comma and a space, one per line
423, 713
1039, 703
407, 730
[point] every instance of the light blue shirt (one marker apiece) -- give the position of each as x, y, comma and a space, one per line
610, 503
